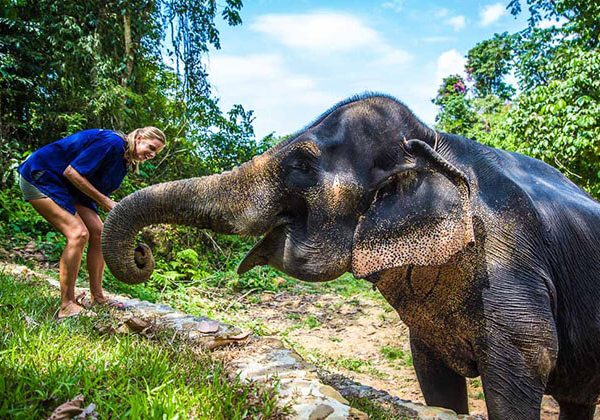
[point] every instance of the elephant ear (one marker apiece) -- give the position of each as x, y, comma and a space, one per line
421, 215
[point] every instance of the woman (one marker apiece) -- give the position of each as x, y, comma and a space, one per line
65, 180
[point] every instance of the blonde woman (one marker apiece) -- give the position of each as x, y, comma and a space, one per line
64, 181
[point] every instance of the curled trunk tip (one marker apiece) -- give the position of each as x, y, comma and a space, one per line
131, 265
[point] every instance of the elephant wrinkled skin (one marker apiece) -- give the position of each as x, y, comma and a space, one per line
491, 258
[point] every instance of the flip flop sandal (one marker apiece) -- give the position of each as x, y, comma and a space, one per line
84, 301
112, 303
115, 304
88, 303
83, 312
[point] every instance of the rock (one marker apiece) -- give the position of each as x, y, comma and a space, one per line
240, 336
321, 412
208, 327
332, 393
266, 297
357, 415
137, 324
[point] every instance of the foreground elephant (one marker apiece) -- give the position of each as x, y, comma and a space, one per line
491, 258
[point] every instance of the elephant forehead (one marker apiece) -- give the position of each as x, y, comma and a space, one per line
260, 166
359, 111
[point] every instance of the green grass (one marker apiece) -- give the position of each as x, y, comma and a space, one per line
346, 286
392, 353
44, 364
375, 411
355, 365
312, 322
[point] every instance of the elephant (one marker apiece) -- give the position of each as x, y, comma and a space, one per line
491, 258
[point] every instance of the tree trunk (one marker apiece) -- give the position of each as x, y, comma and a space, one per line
128, 49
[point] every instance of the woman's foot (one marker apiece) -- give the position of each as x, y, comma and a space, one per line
111, 303
68, 310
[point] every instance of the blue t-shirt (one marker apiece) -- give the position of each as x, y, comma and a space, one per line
98, 155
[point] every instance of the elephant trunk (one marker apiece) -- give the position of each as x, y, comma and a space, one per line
217, 202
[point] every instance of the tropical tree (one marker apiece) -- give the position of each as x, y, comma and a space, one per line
488, 63
67, 65
556, 114
456, 111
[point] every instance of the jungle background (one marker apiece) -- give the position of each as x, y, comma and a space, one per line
70, 65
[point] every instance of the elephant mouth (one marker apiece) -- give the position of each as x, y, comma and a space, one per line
268, 251
280, 249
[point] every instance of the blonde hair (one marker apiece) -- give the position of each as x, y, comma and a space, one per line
145, 133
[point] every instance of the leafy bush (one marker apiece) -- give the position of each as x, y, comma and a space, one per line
556, 115
559, 122
21, 225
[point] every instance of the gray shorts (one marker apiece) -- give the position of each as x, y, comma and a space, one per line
30, 192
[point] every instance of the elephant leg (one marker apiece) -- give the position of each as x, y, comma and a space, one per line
511, 396
573, 411
514, 379
441, 386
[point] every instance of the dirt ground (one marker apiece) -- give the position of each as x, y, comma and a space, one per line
360, 337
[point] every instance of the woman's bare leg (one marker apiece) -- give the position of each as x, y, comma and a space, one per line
74, 229
95, 261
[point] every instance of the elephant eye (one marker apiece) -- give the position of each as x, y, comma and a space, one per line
302, 166
300, 172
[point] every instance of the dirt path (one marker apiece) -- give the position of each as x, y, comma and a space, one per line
359, 337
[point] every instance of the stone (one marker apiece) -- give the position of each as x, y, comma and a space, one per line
137, 324
357, 415
241, 336
207, 327
321, 412
332, 393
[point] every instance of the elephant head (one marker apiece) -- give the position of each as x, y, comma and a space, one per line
347, 193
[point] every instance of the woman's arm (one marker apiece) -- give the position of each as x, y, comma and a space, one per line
88, 189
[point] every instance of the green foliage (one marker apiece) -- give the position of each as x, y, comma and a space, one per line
355, 365
555, 116
392, 353
312, 322
21, 225
185, 265
534, 50
581, 17
456, 112
192, 29
488, 63
560, 122
202, 259
43, 364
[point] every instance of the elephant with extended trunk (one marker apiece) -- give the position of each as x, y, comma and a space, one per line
491, 258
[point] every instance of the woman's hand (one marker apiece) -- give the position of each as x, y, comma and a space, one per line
108, 204
88, 189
